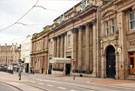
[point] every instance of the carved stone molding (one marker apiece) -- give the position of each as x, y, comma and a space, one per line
132, 43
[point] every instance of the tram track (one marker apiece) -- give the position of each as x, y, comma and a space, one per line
19, 89
12, 86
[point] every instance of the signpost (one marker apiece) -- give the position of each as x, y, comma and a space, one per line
21, 61
74, 62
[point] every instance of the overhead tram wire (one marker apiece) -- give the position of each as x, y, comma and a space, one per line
47, 8
35, 5
20, 18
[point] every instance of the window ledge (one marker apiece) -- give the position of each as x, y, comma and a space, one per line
131, 31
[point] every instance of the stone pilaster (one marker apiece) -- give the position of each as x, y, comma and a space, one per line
103, 67
122, 41
117, 66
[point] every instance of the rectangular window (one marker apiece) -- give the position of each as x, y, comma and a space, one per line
112, 26
132, 20
69, 40
107, 28
132, 63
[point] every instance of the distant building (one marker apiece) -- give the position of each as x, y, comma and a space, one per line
25, 52
9, 54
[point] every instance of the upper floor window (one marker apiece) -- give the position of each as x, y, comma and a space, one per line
69, 40
132, 20
112, 26
107, 28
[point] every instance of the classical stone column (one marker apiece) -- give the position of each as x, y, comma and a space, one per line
55, 46
62, 49
63, 39
74, 42
87, 47
80, 48
94, 50
58, 42
62, 46
91, 47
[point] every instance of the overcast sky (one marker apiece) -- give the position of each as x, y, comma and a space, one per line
36, 19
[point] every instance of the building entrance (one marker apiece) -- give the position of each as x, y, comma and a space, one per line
110, 62
132, 63
68, 68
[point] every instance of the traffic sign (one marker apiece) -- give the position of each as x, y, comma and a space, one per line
23, 60
73, 60
20, 60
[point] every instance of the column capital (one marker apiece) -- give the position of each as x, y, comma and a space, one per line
65, 33
82, 27
74, 30
54, 38
88, 24
62, 35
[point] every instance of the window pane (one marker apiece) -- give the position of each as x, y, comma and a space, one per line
107, 28
132, 21
131, 16
113, 26
132, 25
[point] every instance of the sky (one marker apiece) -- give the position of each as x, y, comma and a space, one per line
33, 22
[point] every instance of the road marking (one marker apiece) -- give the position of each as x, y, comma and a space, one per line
49, 85
72, 90
40, 83
61, 88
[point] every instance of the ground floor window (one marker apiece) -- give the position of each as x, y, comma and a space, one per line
132, 63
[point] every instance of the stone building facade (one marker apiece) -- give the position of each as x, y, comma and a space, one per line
9, 54
39, 54
117, 39
98, 34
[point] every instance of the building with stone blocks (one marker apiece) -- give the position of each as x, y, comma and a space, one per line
26, 47
39, 54
73, 35
9, 54
117, 39
98, 34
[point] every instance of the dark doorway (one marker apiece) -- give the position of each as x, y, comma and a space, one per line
50, 69
27, 68
110, 62
68, 67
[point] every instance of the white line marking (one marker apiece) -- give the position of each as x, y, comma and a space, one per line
40, 83
72, 90
49, 85
61, 88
